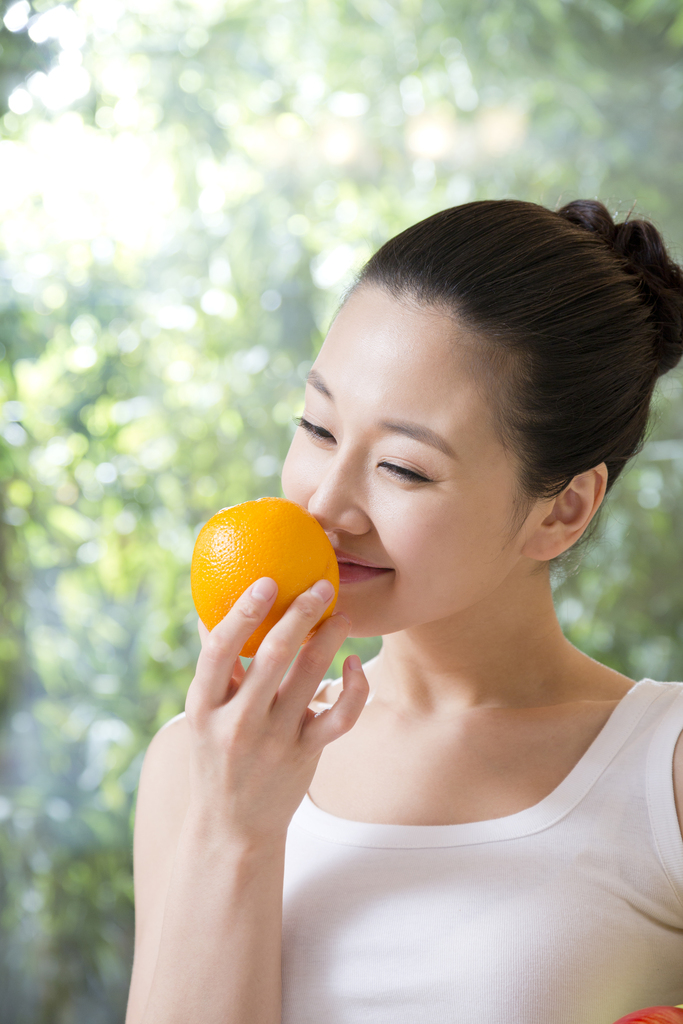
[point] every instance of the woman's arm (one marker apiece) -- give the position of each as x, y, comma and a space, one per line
217, 792
226, 906
163, 797
223, 921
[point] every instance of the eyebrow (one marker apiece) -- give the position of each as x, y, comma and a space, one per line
414, 430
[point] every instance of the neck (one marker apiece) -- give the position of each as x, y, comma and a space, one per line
506, 651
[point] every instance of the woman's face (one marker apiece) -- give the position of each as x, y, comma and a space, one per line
444, 535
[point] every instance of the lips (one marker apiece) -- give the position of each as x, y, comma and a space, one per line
356, 570
349, 573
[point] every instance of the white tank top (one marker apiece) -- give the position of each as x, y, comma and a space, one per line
569, 912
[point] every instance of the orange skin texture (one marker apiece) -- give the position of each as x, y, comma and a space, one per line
654, 1015
267, 537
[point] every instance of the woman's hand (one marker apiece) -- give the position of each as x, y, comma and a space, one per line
255, 742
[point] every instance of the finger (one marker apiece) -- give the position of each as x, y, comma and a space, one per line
222, 645
281, 643
238, 668
330, 724
309, 668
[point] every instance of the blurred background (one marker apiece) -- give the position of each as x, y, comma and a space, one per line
186, 187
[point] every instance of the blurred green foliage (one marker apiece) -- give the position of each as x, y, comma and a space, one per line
185, 189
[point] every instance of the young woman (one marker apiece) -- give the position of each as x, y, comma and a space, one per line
481, 823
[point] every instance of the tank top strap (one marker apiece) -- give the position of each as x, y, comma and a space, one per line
661, 800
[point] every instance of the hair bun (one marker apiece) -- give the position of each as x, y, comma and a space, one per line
643, 253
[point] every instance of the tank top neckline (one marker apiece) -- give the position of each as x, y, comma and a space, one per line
547, 812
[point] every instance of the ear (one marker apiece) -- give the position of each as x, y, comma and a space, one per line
569, 514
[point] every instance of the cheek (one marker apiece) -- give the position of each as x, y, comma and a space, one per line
457, 543
428, 546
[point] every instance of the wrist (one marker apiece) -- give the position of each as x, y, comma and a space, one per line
210, 829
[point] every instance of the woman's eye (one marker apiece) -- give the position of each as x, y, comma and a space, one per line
407, 474
324, 435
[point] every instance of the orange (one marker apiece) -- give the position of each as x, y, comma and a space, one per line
267, 537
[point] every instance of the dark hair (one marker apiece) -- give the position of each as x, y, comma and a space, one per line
571, 320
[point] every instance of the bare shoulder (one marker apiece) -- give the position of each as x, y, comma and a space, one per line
163, 798
171, 740
164, 779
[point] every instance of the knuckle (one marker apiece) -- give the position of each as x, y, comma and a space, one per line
217, 645
344, 719
240, 728
250, 610
336, 624
274, 650
314, 660
309, 606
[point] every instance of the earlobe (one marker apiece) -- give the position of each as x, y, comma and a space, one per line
568, 517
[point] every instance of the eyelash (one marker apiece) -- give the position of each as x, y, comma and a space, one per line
324, 435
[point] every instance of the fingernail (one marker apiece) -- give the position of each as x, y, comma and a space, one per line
323, 589
263, 589
353, 661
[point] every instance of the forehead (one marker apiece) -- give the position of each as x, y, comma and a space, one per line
390, 352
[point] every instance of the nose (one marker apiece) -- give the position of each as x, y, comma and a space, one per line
338, 501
